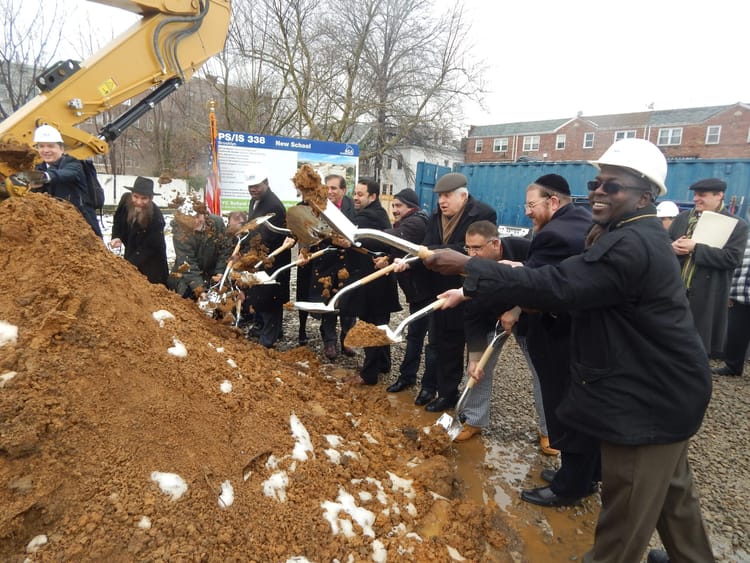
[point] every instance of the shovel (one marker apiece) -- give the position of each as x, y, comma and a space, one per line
396, 336
261, 278
452, 426
330, 307
341, 224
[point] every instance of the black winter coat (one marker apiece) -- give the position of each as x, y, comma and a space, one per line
68, 182
709, 288
145, 248
412, 228
377, 296
639, 372
474, 211
268, 297
327, 267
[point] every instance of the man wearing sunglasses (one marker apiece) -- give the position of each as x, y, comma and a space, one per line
640, 380
707, 270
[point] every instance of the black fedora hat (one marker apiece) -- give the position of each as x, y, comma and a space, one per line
143, 186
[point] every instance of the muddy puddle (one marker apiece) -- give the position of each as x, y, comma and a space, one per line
498, 472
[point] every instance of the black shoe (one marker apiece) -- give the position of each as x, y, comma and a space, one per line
725, 370
657, 556
548, 475
425, 396
543, 496
399, 385
440, 404
329, 350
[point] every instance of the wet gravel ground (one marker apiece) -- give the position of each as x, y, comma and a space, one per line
718, 453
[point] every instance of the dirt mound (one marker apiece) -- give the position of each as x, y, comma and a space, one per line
279, 458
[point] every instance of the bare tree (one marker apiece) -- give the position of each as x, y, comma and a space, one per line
319, 68
30, 38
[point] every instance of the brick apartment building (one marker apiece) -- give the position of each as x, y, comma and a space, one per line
704, 132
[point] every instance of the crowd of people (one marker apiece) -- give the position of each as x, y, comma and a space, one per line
617, 308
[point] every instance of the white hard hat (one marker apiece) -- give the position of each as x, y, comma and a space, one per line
255, 174
47, 134
667, 209
640, 156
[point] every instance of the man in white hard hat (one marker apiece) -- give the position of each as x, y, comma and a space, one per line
62, 175
267, 300
640, 381
667, 211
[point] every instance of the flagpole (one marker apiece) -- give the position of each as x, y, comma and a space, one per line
213, 189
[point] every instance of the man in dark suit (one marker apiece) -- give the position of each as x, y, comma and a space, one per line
559, 232
373, 302
268, 300
457, 209
139, 225
327, 267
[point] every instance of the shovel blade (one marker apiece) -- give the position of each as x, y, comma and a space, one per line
451, 426
314, 307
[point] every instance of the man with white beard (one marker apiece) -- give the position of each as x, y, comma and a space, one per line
139, 225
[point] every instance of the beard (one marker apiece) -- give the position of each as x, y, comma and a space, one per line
140, 216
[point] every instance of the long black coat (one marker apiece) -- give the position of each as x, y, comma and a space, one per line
145, 247
68, 182
548, 334
327, 267
709, 288
474, 211
268, 297
639, 373
378, 296
412, 228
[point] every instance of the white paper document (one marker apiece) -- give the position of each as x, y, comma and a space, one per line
714, 229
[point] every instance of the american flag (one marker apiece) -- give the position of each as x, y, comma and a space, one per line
213, 189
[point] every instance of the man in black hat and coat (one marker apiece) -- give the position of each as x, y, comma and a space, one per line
139, 225
457, 209
707, 270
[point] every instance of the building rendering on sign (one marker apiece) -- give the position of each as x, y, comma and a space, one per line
703, 132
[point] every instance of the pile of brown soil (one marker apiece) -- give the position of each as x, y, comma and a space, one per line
95, 397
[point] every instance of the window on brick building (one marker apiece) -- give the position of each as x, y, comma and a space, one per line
560, 142
400, 162
479, 145
389, 163
531, 143
629, 134
670, 136
588, 140
500, 145
713, 134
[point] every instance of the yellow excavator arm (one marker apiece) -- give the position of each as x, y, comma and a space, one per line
158, 53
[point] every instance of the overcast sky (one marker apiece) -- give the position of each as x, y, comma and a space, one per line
548, 59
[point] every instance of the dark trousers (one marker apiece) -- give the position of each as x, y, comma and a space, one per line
328, 327
577, 472
270, 321
377, 358
646, 488
738, 336
447, 344
415, 334
548, 341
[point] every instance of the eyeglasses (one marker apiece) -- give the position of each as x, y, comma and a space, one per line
468, 249
529, 206
610, 187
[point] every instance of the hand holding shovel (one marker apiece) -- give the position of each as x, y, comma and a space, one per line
446, 421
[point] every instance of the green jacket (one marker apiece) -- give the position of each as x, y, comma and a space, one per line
204, 253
